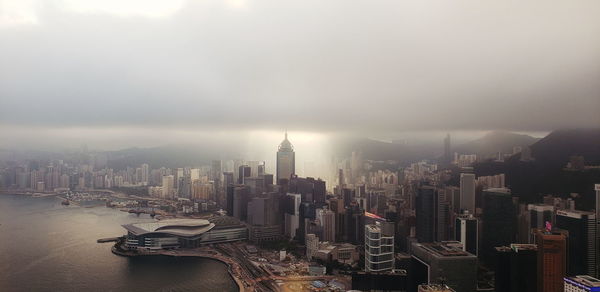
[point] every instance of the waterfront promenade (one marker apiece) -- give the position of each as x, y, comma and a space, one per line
248, 274
243, 279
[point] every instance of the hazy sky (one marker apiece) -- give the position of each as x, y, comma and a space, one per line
125, 71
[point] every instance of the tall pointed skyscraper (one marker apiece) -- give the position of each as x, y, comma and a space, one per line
447, 156
286, 160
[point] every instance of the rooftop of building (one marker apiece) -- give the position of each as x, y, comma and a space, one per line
574, 213
584, 281
330, 246
373, 227
466, 215
540, 207
176, 227
286, 145
435, 288
380, 227
402, 256
396, 272
523, 246
503, 248
554, 234
224, 221
443, 249
498, 190
516, 247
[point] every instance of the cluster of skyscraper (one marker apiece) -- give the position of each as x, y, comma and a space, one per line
88, 173
414, 222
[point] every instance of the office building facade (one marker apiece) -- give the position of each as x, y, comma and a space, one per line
326, 218
582, 241
467, 192
425, 214
516, 268
467, 233
447, 262
499, 222
379, 247
552, 261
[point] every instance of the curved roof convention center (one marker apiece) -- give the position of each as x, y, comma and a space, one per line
176, 227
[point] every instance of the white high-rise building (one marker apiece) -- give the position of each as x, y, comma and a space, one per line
145, 174
167, 186
216, 169
194, 174
326, 218
312, 245
467, 192
379, 246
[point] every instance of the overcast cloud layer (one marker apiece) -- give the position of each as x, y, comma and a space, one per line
309, 65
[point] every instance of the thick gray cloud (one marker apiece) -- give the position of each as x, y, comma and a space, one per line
309, 65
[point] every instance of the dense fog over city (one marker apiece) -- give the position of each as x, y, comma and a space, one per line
265, 145
148, 73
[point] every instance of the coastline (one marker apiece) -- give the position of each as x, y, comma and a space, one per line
212, 255
238, 272
23, 214
29, 193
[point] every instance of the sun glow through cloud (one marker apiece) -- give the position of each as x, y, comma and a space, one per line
236, 3
147, 8
22, 12
17, 12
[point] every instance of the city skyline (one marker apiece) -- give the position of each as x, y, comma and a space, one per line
277, 146
401, 226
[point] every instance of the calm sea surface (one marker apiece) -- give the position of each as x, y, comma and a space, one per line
45, 246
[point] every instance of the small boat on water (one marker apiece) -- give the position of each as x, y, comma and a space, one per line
66, 202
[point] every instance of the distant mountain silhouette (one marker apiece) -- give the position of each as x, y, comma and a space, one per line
485, 146
384, 151
168, 156
494, 142
558, 146
546, 174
